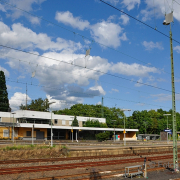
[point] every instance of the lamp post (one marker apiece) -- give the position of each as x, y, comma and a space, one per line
114, 129
167, 124
13, 125
167, 21
51, 124
125, 125
33, 133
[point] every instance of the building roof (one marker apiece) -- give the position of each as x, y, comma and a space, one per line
29, 125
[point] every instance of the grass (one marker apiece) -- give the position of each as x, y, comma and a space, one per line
26, 147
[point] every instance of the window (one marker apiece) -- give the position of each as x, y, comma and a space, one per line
5, 133
55, 121
28, 133
63, 122
70, 122
0, 119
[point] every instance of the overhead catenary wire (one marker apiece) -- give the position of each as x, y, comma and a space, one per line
139, 21
109, 74
88, 94
68, 72
82, 35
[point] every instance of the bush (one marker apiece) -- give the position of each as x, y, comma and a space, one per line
102, 136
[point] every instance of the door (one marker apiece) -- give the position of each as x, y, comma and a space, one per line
39, 135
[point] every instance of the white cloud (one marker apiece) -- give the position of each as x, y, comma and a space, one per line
130, 4
25, 5
158, 9
6, 72
115, 90
124, 18
151, 45
113, 1
68, 19
24, 38
139, 83
165, 97
108, 33
17, 99
177, 49
133, 69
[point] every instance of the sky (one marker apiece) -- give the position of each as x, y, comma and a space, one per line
44, 44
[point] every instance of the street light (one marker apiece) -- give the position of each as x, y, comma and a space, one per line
114, 129
51, 124
167, 124
13, 125
124, 125
168, 20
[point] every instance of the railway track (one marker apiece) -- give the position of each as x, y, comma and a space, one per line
80, 158
96, 175
18, 170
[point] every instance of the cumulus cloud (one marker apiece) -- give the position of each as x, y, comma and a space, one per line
158, 9
113, 1
130, 4
139, 83
124, 18
177, 49
115, 90
22, 37
104, 32
133, 69
108, 33
151, 45
165, 97
68, 19
17, 99
6, 72
25, 5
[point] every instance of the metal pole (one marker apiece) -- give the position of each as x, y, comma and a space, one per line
33, 134
13, 128
114, 133
51, 130
76, 135
124, 132
175, 152
72, 133
167, 128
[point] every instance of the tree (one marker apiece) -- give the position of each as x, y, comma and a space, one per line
4, 101
103, 136
75, 122
37, 105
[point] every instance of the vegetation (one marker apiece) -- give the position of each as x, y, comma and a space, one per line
26, 147
37, 105
103, 136
4, 101
150, 122
75, 122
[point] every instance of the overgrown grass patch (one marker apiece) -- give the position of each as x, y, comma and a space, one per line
27, 147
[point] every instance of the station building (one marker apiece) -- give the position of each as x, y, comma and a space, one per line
37, 125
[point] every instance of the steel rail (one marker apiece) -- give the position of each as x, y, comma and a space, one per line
79, 158
18, 170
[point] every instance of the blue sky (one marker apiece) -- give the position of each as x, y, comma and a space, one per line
124, 53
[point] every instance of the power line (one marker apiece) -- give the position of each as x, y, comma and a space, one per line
138, 20
76, 74
176, 2
109, 74
89, 95
75, 33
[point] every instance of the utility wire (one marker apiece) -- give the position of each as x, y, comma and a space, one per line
82, 35
109, 74
75, 74
89, 95
176, 2
139, 20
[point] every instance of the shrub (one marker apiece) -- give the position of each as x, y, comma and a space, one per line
102, 136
